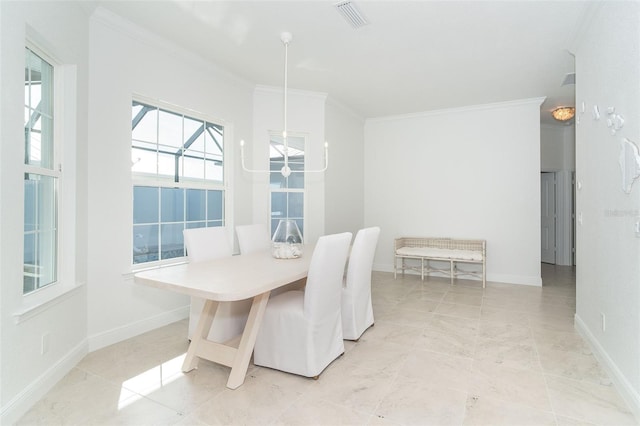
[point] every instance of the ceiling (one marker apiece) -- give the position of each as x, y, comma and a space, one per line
413, 56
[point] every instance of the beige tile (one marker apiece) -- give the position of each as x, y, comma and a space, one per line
257, 401
169, 386
83, 398
509, 385
488, 411
588, 402
377, 420
379, 355
456, 344
312, 411
559, 340
520, 355
463, 298
573, 365
353, 386
568, 421
458, 310
504, 332
515, 359
455, 325
551, 323
501, 315
425, 293
413, 401
409, 309
393, 333
440, 370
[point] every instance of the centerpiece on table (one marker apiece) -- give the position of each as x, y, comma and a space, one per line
287, 240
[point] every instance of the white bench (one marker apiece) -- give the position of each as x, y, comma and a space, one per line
443, 250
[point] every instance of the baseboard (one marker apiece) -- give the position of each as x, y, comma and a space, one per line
621, 383
21, 403
118, 334
496, 278
515, 279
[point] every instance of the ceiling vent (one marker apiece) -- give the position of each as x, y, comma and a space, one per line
570, 78
351, 13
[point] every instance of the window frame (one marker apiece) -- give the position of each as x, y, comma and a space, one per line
162, 181
55, 172
66, 115
303, 190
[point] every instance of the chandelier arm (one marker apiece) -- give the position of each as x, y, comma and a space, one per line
286, 170
244, 167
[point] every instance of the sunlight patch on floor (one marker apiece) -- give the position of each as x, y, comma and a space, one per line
150, 381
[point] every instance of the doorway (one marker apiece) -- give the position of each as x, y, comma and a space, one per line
557, 218
548, 217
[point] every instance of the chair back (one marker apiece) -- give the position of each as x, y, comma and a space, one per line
361, 262
207, 243
252, 238
322, 294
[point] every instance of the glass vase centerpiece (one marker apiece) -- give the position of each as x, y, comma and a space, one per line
287, 240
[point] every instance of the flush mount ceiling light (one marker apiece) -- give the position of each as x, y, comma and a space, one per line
563, 113
286, 38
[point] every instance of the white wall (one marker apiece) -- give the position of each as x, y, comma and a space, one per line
306, 111
61, 30
344, 179
464, 173
608, 251
125, 61
557, 148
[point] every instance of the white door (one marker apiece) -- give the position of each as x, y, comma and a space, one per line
548, 223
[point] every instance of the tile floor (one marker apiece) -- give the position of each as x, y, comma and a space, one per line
437, 355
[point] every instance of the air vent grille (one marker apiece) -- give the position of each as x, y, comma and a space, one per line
351, 13
569, 78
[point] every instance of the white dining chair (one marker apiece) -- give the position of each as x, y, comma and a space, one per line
357, 310
208, 244
301, 331
252, 238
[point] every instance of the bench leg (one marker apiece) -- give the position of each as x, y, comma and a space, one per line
395, 267
451, 271
484, 275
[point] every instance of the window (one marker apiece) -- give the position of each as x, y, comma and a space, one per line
178, 175
287, 193
41, 175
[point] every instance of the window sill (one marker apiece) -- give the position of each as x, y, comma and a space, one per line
35, 304
129, 274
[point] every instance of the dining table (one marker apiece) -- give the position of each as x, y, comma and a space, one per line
246, 276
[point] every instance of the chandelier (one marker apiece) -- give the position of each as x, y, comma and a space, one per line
563, 113
286, 38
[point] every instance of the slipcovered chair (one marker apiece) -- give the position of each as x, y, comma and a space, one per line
357, 311
252, 238
301, 332
208, 244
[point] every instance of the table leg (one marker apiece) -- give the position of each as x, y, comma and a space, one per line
248, 340
200, 334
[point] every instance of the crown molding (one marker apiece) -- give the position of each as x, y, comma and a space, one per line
479, 107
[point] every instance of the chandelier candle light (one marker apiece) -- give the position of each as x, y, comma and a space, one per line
286, 171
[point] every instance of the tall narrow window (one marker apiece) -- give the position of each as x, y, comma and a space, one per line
41, 176
287, 193
178, 174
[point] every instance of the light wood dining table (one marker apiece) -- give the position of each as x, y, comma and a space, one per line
247, 276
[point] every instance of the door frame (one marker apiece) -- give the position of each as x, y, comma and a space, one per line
565, 216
